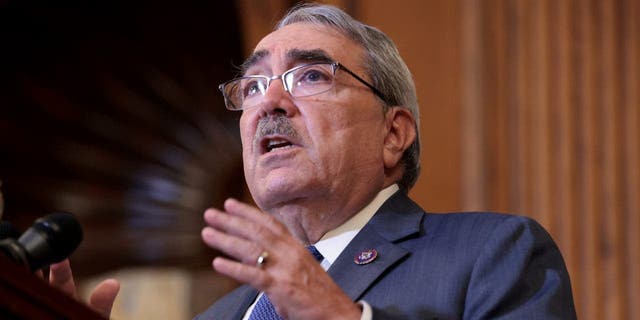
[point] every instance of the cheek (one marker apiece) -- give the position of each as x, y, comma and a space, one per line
246, 133
246, 136
359, 133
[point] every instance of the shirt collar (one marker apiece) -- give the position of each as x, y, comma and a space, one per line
334, 241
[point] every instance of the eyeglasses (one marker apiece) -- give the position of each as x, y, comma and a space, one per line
302, 81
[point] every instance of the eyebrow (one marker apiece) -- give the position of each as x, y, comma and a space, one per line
293, 55
315, 55
253, 59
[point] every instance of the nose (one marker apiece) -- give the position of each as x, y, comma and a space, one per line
277, 100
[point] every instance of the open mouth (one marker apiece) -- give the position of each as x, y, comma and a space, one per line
273, 144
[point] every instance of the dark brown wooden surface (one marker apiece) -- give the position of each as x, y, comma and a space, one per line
25, 296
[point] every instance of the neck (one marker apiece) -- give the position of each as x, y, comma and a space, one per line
309, 219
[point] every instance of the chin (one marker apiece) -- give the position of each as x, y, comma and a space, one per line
272, 192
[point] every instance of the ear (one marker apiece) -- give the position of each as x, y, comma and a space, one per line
400, 134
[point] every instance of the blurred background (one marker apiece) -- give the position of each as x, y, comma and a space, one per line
110, 110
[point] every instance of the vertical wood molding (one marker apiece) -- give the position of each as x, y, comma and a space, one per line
588, 162
472, 134
540, 153
609, 106
630, 59
517, 108
563, 141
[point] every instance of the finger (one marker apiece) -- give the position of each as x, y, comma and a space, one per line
241, 272
239, 226
61, 277
103, 296
235, 247
216, 218
252, 213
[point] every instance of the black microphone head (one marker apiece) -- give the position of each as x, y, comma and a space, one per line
7, 230
51, 239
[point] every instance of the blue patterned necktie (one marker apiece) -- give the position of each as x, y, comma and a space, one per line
316, 254
264, 310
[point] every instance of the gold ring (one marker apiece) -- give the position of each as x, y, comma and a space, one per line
262, 259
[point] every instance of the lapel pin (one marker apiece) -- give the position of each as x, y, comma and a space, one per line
366, 256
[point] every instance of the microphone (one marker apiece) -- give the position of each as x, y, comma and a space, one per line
50, 239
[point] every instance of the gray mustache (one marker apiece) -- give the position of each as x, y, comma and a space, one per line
275, 125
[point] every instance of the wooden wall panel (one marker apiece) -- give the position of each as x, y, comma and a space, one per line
547, 108
532, 107
573, 121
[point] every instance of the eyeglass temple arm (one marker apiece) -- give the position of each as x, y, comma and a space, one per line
370, 86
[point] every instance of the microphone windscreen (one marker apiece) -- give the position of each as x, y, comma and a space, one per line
51, 239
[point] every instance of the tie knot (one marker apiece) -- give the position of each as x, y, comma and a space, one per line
316, 254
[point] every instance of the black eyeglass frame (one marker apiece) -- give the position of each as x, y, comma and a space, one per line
335, 65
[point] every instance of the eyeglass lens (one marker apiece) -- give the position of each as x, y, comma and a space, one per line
299, 82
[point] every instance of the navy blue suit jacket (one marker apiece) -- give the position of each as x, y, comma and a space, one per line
444, 266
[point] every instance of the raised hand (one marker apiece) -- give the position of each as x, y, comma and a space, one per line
290, 276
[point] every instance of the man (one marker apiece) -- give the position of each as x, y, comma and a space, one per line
330, 145
330, 148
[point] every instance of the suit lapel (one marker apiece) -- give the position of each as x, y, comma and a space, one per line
248, 296
397, 219
354, 279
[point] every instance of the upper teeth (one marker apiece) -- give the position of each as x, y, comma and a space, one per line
277, 143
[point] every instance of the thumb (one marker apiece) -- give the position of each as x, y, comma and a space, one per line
103, 296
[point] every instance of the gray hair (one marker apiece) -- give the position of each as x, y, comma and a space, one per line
384, 65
